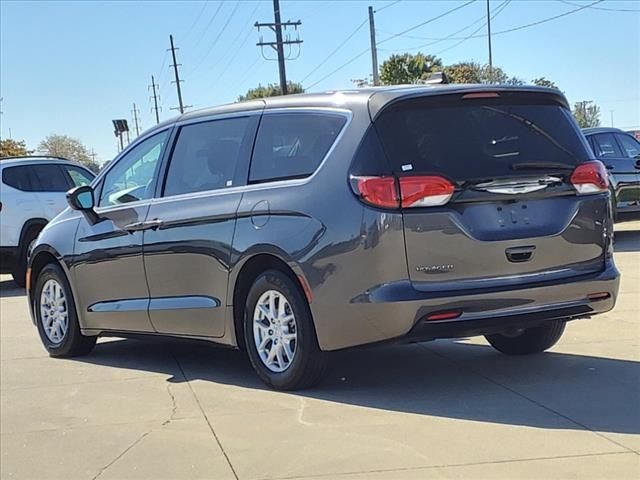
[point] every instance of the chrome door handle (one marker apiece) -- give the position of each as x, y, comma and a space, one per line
139, 226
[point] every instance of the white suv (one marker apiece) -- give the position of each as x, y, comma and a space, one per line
32, 192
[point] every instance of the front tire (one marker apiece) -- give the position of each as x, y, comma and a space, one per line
532, 340
56, 316
280, 335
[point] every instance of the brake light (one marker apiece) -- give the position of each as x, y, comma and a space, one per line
590, 177
378, 191
425, 191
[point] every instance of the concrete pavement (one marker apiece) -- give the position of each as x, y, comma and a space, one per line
447, 409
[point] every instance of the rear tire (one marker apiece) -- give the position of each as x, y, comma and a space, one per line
66, 340
532, 340
307, 365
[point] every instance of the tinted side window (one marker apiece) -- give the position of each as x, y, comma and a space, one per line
207, 155
630, 146
292, 145
17, 177
605, 146
131, 179
49, 178
79, 176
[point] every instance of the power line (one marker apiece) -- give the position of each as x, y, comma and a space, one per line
190, 29
433, 19
451, 36
342, 44
497, 12
237, 50
509, 30
215, 40
410, 29
388, 5
213, 17
279, 44
601, 8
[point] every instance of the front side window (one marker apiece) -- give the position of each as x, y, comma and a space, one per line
630, 146
292, 145
131, 179
78, 176
207, 155
605, 146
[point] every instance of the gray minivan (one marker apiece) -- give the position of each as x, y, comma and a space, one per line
295, 226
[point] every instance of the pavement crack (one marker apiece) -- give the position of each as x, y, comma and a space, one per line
206, 418
174, 406
122, 454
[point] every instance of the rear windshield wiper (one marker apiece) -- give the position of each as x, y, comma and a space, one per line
542, 166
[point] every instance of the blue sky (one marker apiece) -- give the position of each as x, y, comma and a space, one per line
71, 67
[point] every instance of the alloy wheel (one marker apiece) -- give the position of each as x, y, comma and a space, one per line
274, 331
54, 313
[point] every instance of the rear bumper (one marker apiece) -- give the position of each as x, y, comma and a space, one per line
566, 301
396, 312
8, 258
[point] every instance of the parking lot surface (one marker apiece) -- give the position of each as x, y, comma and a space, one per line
447, 409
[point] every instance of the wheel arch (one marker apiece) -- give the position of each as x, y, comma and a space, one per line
37, 222
247, 271
40, 257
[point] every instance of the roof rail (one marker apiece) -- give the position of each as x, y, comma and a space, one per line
18, 157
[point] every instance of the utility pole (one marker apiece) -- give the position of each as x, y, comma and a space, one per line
93, 155
135, 113
611, 111
177, 81
489, 36
279, 44
153, 86
374, 48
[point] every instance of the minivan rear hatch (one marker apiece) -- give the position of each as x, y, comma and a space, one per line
489, 189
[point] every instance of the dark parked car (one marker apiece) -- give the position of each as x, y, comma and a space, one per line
620, 153
295, 226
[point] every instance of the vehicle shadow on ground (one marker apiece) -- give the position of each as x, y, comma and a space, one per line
445, 379
9, 288
627, 241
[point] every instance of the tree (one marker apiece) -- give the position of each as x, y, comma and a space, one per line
408, 68
587, 114
271, 90
473, 72
69, 148
13, 148
544, 82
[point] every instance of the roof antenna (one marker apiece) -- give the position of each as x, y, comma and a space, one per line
436, 78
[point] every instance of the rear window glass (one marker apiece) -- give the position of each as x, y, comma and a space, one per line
292, 145
17, 177
472, 139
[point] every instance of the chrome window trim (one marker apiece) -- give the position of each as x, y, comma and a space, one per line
348, 114
132, 145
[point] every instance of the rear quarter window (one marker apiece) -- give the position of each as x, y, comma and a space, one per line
292, 145
17, 177
479, 138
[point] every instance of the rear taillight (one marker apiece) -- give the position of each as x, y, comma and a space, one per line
425, 191
590, 177
377, 191
415, 191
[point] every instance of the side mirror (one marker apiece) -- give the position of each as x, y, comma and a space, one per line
81, 199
